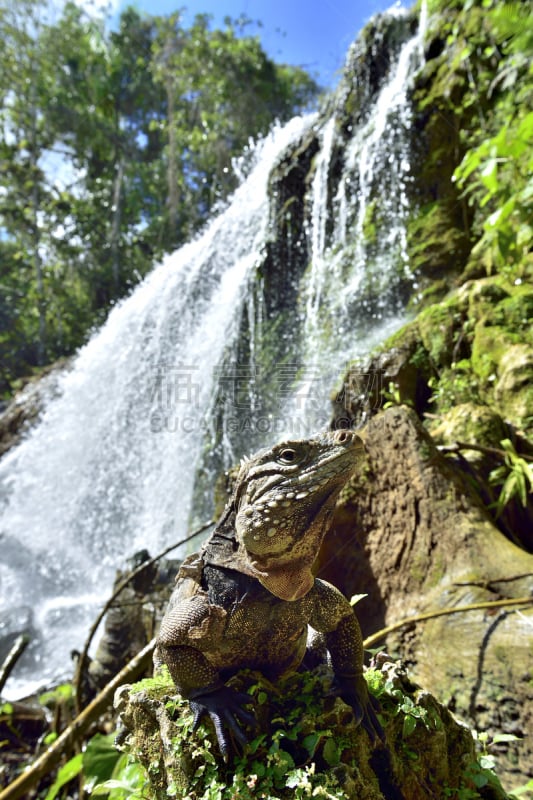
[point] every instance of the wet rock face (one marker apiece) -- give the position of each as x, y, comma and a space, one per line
287, 253
365, 386
25, 408
367, 64
412, 533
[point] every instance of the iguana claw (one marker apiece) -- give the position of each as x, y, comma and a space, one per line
225, 708
354, 692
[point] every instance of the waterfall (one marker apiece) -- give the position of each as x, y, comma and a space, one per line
112, 466
354, 286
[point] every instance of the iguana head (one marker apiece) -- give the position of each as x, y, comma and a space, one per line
283, 499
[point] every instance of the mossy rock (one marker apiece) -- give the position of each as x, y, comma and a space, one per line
307, 744
436, 247
499, 302
439, 325
504, 364
414, 535
513, 391
474, 423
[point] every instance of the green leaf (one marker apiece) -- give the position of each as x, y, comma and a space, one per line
282, 764
258, 768
256, 743
487, 762
331, 753
489, 175
68, 772
100, 758
310, 743
58, 695
108, 786
409, 724
505, 737
524, 789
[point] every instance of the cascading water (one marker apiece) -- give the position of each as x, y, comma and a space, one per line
111, 467
353, 287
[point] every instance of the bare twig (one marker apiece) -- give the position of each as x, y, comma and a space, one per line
491, 451
494, 581
375, 637
12, 657
82, 659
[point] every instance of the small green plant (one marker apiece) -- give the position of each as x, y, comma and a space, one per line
110, 773
404, 704
456, 384
295, 759
393, 396
480, 774
66, 774
396, 701
127, 781
6, 713
61, 695
515, 475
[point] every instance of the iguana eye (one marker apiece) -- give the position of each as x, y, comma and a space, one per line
287, 456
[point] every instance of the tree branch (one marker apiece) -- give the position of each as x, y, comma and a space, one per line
82, 659
491, 451
375, 637
12, 657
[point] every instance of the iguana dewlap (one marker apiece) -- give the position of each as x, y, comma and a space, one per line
247, 599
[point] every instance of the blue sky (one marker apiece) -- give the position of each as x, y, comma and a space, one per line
314, 34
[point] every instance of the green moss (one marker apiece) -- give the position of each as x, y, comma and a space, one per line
369, 222
407, 336
434, 293
491, 344
158, 686
455, 385
306, 744
439, 326
435, 245
470, 422
516, 313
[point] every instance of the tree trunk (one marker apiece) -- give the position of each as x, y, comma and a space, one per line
115, 227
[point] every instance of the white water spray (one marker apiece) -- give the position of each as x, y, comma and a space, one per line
110, 468
352, 281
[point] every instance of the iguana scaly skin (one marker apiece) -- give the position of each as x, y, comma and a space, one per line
247, 599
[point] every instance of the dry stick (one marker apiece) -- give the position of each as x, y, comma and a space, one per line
77, 727
122, 585
12, 657
491, 451
514, 601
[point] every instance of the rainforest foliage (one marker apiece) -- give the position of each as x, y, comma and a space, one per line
493, 46
115, 144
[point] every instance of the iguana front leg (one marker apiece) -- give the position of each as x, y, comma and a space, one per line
334, 617
194, 676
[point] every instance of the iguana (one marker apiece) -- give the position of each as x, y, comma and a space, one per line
247, 599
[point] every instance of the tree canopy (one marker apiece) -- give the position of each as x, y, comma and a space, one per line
115, 145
